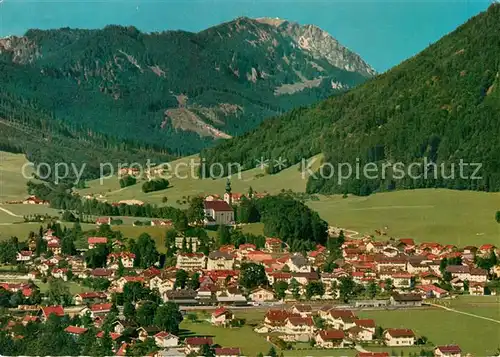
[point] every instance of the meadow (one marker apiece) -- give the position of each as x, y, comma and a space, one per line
12, 181
438, 215
474, 335
442, 327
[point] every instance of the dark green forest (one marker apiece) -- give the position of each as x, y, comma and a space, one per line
441, 105
115, 84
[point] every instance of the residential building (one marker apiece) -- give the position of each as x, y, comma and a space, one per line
94, 241
399, 337
127, 259
194, 344
297, 263
447, 351
274, 245
221, 316
406, 299
330, 339
192, 242
220, 261
165, 339
262, 295
24, 256
191, 261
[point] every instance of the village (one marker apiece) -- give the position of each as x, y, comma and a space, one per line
304, 298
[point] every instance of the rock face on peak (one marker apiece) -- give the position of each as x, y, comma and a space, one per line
321, 45
120, 81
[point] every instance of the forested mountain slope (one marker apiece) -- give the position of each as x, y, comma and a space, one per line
442, 104
44, 139
176, 90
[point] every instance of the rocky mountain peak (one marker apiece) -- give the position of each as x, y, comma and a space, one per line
321, 45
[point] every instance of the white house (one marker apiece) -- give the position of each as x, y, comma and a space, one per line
220, 261
165, 339
399, 337
330, 339
191, 261
221, 316
24, 256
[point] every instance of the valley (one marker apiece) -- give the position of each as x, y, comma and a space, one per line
238, 245
440, 215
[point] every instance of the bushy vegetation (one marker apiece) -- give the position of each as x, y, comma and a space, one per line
441, 105
155, 185
292, 221
61, 197
127, 180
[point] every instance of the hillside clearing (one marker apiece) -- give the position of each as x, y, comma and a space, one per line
12, 182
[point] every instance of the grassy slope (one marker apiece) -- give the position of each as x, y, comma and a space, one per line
443, 327
445, 216
456, 217
12, 182
180, 188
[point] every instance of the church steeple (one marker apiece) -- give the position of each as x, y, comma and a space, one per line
228, 196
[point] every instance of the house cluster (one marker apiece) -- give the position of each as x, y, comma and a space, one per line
405, 272
340, 328
123, 333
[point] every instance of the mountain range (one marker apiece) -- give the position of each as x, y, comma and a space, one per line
437, 109
172, 93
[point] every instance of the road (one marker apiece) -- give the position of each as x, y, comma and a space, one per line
466, 313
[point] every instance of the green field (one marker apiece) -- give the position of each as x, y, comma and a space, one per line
487, 306
12, 182
474, 335
180, 188
444, 216
250, 342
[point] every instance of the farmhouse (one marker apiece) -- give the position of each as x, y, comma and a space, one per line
24, 256
447, 351
221, 316
33, 200
330, 339
165, 339
399, 337
262, 295
193, 344
406, 299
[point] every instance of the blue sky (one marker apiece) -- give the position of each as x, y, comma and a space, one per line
384, 33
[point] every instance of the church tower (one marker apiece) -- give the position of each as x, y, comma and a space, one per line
228, 196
